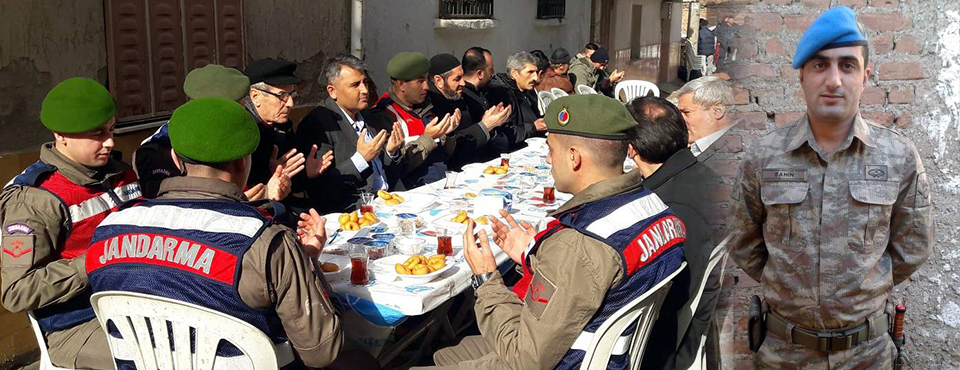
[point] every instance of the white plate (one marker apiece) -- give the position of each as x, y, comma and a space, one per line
387, 265
413, 201
332, 226
342, 261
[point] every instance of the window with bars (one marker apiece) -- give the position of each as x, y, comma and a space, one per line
466, 9
551, 9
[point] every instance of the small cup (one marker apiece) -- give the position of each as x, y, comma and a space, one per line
505, 159
410, 246
366, 203
451, 180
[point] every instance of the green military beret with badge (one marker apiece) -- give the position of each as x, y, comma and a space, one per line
76, 105
594, 116
407, 66
216, 81
213, 130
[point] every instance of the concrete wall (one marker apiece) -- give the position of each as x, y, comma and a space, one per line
41, 44
392, 26
915, 48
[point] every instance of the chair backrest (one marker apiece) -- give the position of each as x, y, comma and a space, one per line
545, 99
717, 257
45, 363
558, 92
633, 89
643, 311
131, 313
585, 90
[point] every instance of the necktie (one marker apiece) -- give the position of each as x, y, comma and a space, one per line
379, 180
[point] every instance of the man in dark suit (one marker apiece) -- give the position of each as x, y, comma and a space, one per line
658, 147
364, 145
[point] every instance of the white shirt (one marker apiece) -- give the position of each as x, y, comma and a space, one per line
701, 144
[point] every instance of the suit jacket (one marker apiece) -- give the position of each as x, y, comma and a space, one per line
684, 185
339, 188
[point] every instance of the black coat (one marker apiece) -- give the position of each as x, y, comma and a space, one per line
339, 188
519, 127
469, 137
684, 184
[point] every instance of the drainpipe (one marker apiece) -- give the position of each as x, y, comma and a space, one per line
356, 29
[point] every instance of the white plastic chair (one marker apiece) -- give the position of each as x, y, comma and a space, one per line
585, 90
45, 363
558, 92
132, 312
545, 98
717, 257
644, 311
633, 89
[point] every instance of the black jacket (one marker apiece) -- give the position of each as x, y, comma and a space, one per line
339, 188
280, 135
519, 127
469, 137
684, 184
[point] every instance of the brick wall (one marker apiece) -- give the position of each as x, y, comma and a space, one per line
915, 87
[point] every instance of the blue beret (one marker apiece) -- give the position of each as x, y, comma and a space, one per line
835, 28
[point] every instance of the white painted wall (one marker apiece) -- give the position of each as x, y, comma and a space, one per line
392, 26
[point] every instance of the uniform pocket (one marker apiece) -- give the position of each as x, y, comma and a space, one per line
780, 200
870, 212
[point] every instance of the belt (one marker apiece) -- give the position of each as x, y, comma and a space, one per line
834, 340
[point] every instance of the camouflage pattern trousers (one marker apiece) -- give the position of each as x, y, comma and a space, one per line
776, 353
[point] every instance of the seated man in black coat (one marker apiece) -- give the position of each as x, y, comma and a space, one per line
516, 89
446, 97
659, 149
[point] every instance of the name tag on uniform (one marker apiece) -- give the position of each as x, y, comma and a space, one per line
776, 174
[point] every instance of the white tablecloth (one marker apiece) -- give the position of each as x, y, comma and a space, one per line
395, 299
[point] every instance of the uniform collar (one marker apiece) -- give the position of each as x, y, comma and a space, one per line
199, 187
78, 173
802, 133
621, 184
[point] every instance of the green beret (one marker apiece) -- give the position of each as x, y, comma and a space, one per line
408, 66
594, 116
213, 130
76, 105
216, 81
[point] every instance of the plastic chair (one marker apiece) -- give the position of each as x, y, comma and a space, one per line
585, 90
558, 92
643, 311
45, 363
717, 257
545, 98
131, 313
633, 89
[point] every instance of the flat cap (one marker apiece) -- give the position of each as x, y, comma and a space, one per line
407, 66
213, 130
216, 81
77, 104
594, 116
600, 56
560, 56
443, 63
271, 71
835, 28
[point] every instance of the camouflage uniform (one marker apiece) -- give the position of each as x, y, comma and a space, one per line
829, 237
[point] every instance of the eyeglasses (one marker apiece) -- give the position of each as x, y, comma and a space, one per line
283, 96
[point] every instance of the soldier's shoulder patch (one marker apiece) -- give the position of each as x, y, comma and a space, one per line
17, 250
539, 294
18, 228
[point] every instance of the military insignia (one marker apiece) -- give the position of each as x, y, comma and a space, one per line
876, 172
775, 174
17, 250
563, 118
18, 228
539, 294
